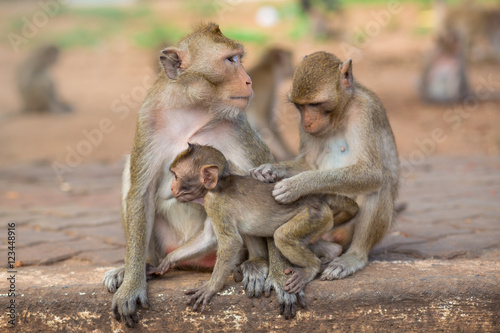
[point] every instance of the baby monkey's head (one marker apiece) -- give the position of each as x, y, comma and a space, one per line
195, 171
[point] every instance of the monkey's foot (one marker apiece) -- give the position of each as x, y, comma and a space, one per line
343, 266
113, 279
288, 302
201, 296
300, 277
125, 303
253, 272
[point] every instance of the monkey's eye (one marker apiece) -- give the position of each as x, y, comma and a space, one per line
175, 176
233, 59
315, 104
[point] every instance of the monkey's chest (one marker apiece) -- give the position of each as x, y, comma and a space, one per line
336, 154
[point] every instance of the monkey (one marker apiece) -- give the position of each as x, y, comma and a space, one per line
241, 205
35, 84
275, 67
346, 147
444, 79
200, 96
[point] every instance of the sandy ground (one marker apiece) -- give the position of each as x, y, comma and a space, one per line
106, 86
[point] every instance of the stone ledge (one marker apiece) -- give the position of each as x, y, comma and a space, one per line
426, 295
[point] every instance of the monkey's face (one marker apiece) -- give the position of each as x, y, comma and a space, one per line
233, 86
208, 67
186, 186
316, 118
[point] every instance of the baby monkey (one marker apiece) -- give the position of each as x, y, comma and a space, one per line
241, 205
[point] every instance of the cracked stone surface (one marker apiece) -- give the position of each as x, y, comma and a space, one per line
452, 218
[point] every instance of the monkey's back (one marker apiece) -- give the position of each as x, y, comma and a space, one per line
250, 206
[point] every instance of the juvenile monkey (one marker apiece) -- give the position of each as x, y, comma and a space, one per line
240, 205
274, 68
199, 96
347, 148
36, 85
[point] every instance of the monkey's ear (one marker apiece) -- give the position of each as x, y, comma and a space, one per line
171, 62
346, 74
209, 176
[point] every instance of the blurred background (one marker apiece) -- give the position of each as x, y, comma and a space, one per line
412, 54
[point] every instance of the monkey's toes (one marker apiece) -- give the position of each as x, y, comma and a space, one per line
254, 276
125, 308
342, 267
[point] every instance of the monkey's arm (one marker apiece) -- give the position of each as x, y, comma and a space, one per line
203, 243
138, 221
350, 180
364, 175
269, 173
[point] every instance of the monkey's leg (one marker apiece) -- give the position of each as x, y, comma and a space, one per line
276, 280
343, 208
225, 264
253, 272
326, 252
341, 234
203, 243
375, 216
293, 239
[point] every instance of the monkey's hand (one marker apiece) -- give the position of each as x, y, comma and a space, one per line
288, 302
125, 302
253, 272
113, 279
343, 266
162, 268
289, 190
201, 296
267, 173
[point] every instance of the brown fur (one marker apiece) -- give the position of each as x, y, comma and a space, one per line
351, 152
200, 97
239, 205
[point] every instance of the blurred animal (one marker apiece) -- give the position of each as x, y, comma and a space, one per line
36, 86
444, 78
275, 66
476, 25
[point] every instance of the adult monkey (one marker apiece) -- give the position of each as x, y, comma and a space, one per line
346, 147
199, 97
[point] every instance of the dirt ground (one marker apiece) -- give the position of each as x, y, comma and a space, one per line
106, 86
